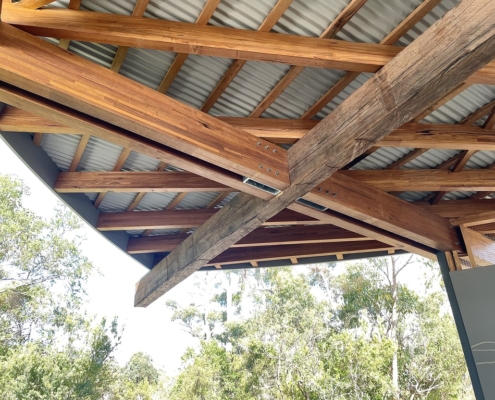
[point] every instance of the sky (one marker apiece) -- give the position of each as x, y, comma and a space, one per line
111, 289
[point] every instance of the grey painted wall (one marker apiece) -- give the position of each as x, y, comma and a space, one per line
475, 293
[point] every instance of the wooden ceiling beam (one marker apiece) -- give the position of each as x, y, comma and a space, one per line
458, 208
179, 219
39, 67
425, 180
213, 41
343, 194
241, 255
205, 40
411, 135
259, 237
159, 182
464, 39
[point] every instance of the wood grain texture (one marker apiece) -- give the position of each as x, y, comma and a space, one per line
259, 237
425, 180
28, 4
412, 135
458, 208
345, 195
464, 39
93, 90
487, 217
181, 37
178, 219
159, 182
269, 22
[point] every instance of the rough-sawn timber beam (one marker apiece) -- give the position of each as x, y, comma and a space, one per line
39, 67
259, 237
160, 182
463, 40
207, 40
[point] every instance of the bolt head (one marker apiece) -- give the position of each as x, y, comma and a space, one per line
260, 166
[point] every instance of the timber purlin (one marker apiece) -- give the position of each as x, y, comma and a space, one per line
193, 219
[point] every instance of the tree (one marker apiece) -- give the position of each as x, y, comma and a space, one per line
329, 333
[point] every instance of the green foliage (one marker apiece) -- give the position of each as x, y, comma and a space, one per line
328, 335
49, 349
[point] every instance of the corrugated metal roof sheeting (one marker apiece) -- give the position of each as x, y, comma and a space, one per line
355, 84
117, 201
431, 159
470, 100
60, 148
197, 78
249, 88
101, 54
381, 158
242, 14
155, 201
146, 66
196, 200
303, 92
481, 159
433, 16
159, 232
99, 155
139, 162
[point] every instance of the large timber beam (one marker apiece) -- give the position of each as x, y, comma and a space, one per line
265, 253
260, 237
180, 219
84, 124
413, 135
447, 54
345, 195
207, 40
87, 182
42, 68
472, 180
458, 208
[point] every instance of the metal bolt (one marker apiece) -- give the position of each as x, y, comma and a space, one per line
259, 143
334, 194
327, 192
456, 243
261, 166
320, 189
277, 173
267, 147
274, 150
269, 170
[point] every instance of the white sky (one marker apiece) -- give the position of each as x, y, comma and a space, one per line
111, 292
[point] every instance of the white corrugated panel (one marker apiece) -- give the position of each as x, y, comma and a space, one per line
99, 155
60, 148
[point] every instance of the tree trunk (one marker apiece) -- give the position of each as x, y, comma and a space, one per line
393, 329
